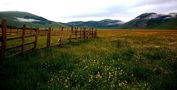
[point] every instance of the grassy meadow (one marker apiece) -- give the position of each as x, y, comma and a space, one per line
116, 60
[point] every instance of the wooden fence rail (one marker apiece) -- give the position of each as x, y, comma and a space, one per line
3, 41
22, 33
82, 33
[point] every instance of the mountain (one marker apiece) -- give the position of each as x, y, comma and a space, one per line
143, 21
16, 18
106, 23
153, 21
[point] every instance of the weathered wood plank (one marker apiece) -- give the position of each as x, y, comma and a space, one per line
23, 39
36, 37
3, 41
48, 37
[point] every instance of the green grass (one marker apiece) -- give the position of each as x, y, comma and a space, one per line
121, 60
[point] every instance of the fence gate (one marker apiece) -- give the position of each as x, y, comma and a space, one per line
22, 33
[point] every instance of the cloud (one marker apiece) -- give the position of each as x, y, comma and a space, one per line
68, 10
126, 12
154, 2
158, 6
107, 12
116, 11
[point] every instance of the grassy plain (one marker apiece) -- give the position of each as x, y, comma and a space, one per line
117, 59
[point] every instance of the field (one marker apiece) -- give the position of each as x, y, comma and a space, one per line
117, 59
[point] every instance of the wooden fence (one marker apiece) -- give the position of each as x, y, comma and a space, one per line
21, 34
82, 33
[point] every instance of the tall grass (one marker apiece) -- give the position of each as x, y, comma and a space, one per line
115, 60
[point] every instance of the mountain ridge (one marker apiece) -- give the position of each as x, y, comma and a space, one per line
153, 21
143, 21
18, 18
105, 23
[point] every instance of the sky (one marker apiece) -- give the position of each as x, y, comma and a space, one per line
85, 10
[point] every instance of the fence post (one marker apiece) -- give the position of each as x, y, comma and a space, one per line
87, 31
17, 31
23, 39
60, 37
80, 33
71, 34
36, 36
92, 33
3, 40
48, 37
95, 33
84, 30
76, 33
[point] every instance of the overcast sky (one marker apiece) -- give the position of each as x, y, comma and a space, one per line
84, 10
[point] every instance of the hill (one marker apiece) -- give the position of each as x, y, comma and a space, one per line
16, 18
143, 21
103, 24
153, 21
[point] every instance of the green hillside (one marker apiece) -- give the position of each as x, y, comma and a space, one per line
103, 24
143, 21
16, 18
152, 21
171, 24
